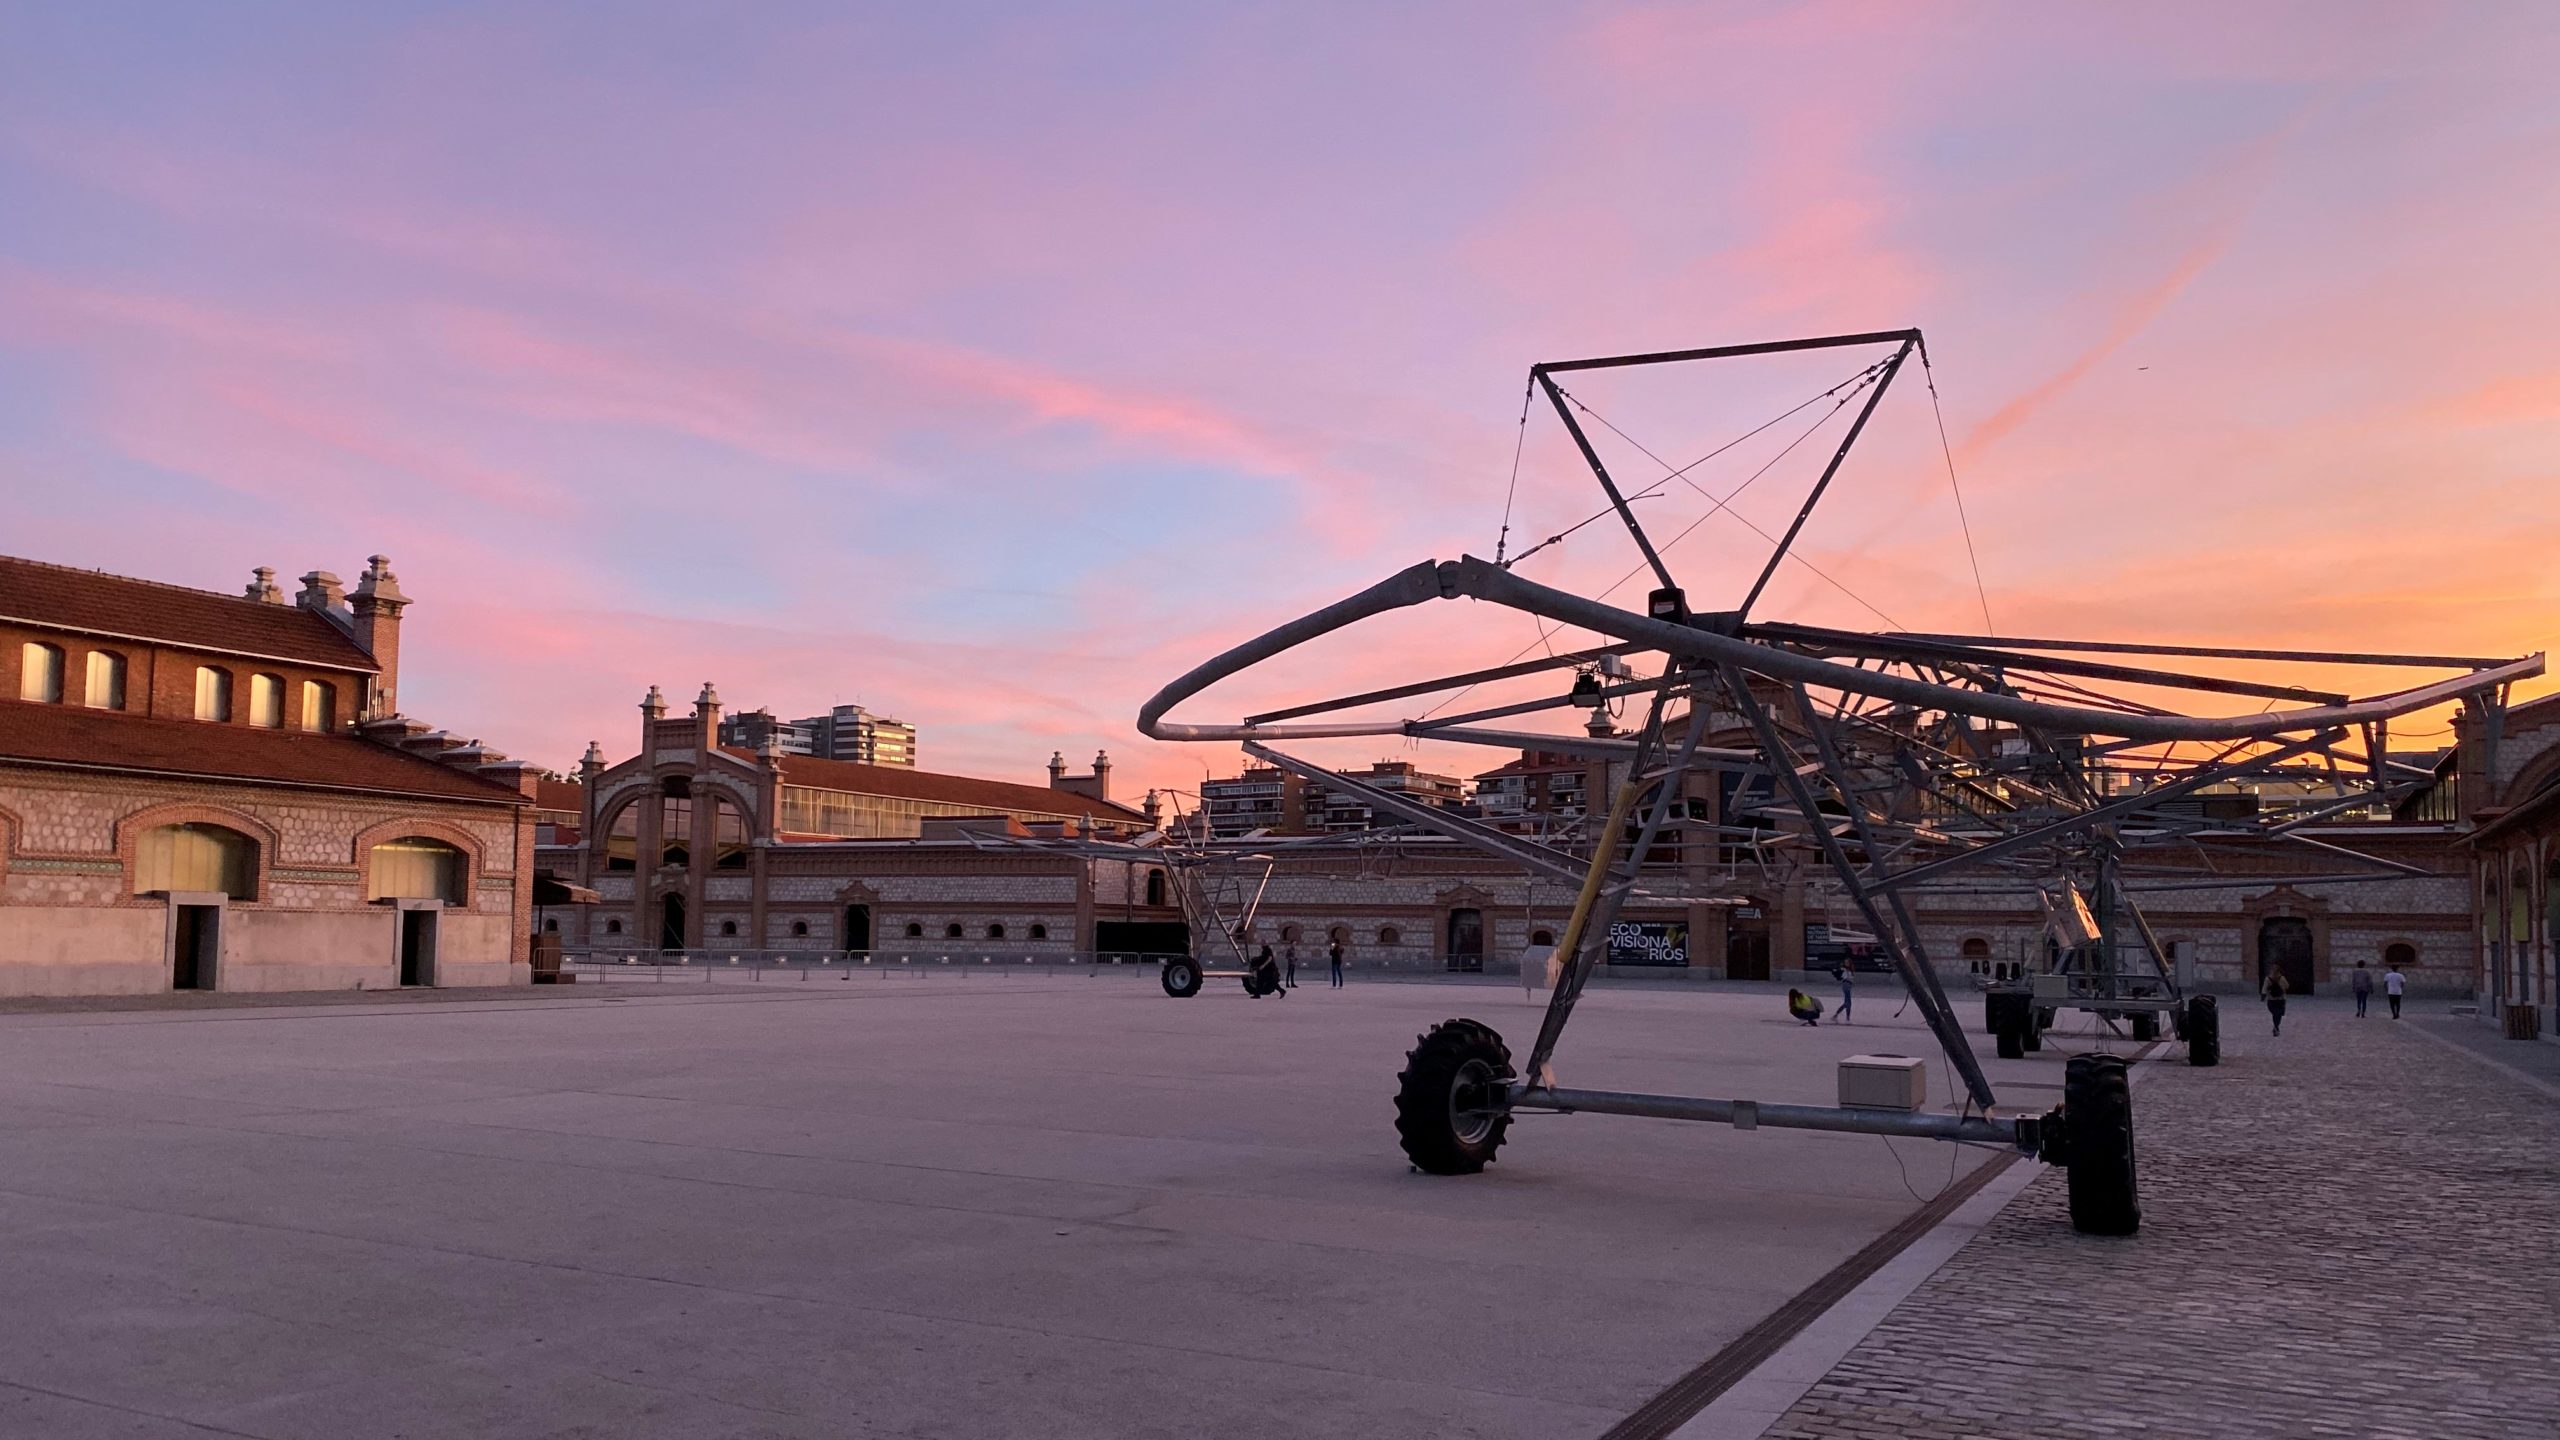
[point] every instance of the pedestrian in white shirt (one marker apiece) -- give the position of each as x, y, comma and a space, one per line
2394, 985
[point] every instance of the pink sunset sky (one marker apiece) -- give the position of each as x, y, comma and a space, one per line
990, 365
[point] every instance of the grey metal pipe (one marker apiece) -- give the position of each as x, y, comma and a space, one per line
1749, 1114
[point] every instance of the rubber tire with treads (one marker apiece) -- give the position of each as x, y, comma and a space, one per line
2146, 1026
1181, 978
2011, 1017
2031, 1039
1449, 1054
2204, 1031
2097, 1115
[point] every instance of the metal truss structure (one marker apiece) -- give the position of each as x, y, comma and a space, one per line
1898, 761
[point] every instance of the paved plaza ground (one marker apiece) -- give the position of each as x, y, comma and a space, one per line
1061, 1206
2347, 1231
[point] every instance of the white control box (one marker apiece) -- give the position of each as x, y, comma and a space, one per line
1883, 1082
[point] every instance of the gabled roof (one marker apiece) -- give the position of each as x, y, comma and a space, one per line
904, 783
32, 733
93, 602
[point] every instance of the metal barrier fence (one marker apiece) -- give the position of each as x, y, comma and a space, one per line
601, 963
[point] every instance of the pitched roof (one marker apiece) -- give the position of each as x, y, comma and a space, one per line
94, 602
909, 784
33, 733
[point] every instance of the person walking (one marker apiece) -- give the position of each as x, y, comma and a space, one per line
1266, 974
1291, 957
2272, 989
2361, 983
2393, 984
1335, 954
1840, 972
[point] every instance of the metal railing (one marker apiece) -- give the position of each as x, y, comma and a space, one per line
630, 963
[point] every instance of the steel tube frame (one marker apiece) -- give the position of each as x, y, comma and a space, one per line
1751, 1114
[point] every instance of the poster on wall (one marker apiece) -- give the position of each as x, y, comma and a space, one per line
1649, 942
1828, 945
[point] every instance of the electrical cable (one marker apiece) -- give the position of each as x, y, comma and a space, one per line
1519, 444
1980, 593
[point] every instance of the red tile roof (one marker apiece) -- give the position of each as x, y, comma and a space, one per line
37, 734
93, 602
907, 784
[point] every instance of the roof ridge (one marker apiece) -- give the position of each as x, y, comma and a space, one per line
142, 580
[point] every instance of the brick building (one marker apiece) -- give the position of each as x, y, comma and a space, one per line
694, 845
202, 791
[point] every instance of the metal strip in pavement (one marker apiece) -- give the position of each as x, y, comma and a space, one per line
2493, 1062
1741, 1390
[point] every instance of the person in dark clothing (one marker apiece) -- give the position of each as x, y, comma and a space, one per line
1804, 1007
2361, 983
1266, 973
1335, 954
1289, 967
2272, 990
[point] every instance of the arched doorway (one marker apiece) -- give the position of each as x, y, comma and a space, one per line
197, 866
1466, 939
857, 928
671, 923
2284, 945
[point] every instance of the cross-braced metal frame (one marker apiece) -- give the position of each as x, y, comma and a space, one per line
1899, 761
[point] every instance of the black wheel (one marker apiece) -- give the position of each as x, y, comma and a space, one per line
1181, 977
1449, 1115
2204, 1031
2011, 1018
2031, 1038
1257, 984
1994, 1012
2146, 1026
2097, 1118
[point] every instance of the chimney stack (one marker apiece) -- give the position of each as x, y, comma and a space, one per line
322, 592
1057, 770
263, 587
1101, 774
653, 706
706, 710
377, 607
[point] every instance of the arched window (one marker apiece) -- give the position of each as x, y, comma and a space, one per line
40, 672
106, 680
613, 927
1542, 937
914, 931
196, 857
995, 932
2399, 955
800, 927
550, 927
266, 702
1039, 932
728, 836
728, 927
319, 706
622, 839
213, 693
1155, 887
951, 931
1290, 934
417, 868
675, 822
1390, 935
1339, 935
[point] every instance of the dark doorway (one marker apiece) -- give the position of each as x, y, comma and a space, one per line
1466, 940
195, 946
1155, 887
417, 947
2284, 944
1746, 943
857, 928
671, 923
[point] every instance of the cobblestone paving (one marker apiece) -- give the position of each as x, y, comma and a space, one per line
2345, 1232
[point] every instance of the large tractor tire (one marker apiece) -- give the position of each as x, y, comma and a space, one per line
1449, 1112
2011, 1018
2204, 1031
2146, 1026
2097, 1117
1181, 977
2032, 1038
